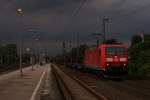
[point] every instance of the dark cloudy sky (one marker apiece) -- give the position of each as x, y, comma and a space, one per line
55, 21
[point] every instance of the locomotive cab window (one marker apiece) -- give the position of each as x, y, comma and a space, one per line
115, 50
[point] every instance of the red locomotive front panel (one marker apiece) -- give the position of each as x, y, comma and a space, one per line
116, 58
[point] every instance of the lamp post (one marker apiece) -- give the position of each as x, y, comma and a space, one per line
70, 46
33, 39
20, 14
37, 39
64, 52
30, 57
77, 50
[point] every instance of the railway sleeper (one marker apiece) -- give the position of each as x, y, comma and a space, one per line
71, 89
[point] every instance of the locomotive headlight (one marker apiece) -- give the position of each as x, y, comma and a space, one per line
109, 59
123, 59
107, 64
124, 64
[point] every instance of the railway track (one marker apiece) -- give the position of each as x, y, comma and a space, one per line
75, 89
113, 90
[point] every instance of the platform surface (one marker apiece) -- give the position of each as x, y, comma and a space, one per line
16, 87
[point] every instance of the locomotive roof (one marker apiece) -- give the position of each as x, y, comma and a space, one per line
105, 45
113, 45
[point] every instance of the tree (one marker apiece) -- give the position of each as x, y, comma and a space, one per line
140, 56
136, 39
8, 54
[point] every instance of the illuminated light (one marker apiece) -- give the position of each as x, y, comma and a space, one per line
109, 59
115, 56
107, 64
123, 59
19, 10
124, 64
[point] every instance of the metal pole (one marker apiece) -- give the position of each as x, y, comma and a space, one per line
97, 42
64, 52
20, 13
77, 51
33, 43
21, 44
37, 41
21, 72
31, 59
104, 28
71, 52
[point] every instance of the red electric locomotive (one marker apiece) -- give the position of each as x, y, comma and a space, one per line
109, 58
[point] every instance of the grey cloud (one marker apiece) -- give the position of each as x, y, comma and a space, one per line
60, 20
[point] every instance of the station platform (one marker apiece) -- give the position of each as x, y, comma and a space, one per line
26, 87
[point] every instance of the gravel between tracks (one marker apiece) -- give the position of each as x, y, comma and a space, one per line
75, 89
114, 90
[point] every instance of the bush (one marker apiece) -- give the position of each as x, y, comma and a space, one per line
132, 69
139, 52
140, 65
144, 70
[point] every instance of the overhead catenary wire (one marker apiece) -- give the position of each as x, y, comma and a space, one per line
120, 19
71, 23
77, 10
130, 14
71, 19
75, 13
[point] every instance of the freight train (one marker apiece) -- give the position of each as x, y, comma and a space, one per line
112, 59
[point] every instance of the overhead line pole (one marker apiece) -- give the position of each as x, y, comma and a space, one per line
104, 20
32, 31
37, 53
104, 28
70, 46
64, 52
72, 16
77, 51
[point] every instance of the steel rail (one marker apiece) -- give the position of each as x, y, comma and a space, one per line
60, 81
82, 84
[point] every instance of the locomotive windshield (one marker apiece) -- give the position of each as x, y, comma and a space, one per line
115, 50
